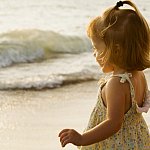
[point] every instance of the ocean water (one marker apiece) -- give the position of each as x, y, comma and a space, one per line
43, 44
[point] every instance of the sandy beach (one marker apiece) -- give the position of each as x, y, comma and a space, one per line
31, 120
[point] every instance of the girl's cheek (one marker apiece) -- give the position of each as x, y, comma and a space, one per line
98, 57
99, 61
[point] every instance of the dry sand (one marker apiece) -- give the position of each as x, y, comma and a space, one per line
31, 120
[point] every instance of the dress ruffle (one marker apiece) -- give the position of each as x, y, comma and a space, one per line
146, 104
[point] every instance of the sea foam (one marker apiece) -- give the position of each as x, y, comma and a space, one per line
29, 45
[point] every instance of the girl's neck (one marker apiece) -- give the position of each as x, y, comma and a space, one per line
118, 70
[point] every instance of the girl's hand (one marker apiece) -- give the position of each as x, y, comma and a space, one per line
70, 136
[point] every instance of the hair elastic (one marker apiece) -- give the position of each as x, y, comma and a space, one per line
120, 3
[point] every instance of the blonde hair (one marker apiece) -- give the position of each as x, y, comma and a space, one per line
126, 35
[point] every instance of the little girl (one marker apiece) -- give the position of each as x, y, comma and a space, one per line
121, 43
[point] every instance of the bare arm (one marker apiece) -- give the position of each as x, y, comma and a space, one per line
115, 98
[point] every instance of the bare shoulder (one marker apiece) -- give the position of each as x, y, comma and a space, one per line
139, 80
115, 99
114, 85
138, 74
114, 92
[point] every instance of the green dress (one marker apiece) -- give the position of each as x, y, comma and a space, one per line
134, 133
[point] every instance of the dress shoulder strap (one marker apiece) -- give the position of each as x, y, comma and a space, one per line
126, 77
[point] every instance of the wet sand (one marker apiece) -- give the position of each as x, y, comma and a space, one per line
31, 120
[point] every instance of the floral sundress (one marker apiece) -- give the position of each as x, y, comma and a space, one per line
134, 133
